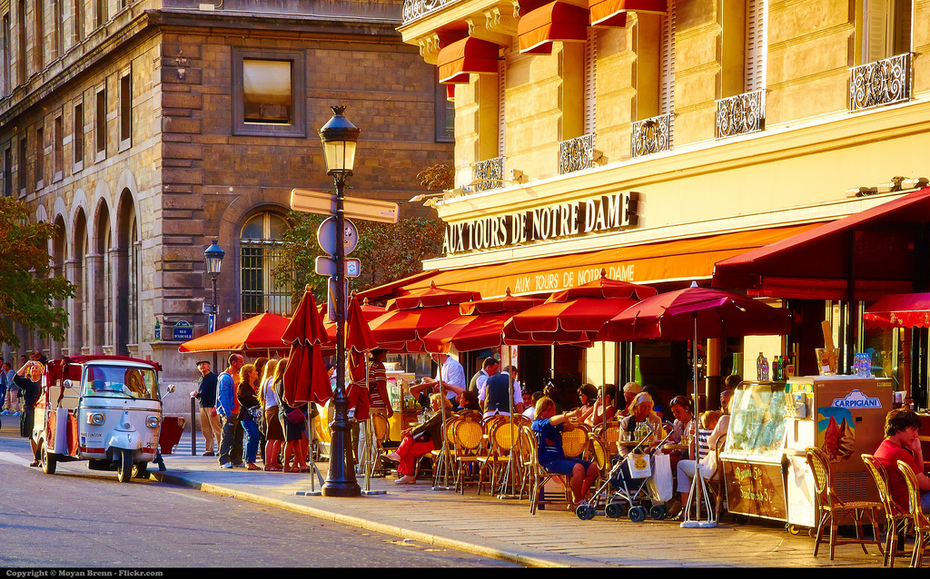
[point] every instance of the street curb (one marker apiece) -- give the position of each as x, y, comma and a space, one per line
363, 523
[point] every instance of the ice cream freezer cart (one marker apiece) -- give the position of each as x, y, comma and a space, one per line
773, 423
844, 416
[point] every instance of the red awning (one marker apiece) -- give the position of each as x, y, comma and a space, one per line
900, 311
465, 57
613, 12
538, 29
877, 251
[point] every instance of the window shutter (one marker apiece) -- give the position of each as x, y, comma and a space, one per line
502, 104
756, 16
590, 82
667, 90
877, 30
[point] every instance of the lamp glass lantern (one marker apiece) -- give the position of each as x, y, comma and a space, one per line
213, 257
339, 138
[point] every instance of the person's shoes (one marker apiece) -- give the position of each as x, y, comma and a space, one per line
17, 413
209, 453
405, 480
252, 466
226, 465
34, 463
239, 465
392, 457
5, 413
272, 468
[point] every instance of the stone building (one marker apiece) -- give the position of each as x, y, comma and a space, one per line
145, 129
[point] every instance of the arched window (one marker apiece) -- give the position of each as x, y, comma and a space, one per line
260, 254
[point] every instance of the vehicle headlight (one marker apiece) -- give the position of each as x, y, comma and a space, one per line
152, 421
95, 418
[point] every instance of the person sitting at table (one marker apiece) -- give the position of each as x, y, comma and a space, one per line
708, 464
468, 400
683, 411
630, 390
588, 395
604, 407
902, 443
641, 411
421, 440
548, 427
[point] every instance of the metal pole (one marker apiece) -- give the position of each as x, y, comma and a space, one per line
341, 481
193, 429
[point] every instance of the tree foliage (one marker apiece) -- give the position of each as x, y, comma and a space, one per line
437, 177
27, 292
387, 252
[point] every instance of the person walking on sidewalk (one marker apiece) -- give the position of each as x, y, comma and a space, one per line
210, 424
29, 381
250, 412
225, 407
12, 390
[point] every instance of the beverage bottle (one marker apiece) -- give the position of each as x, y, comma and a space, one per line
759, 362
776, 369
765, 369
157, 329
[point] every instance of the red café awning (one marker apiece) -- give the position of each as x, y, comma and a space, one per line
465, 57
900, 311
877, 251
556, 21
612, 13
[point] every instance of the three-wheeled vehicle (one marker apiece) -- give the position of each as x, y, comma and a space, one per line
103, 409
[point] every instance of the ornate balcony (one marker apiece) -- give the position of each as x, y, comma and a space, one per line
881, 82
576, 154
652, 135
487, 175
744, 113
413, 9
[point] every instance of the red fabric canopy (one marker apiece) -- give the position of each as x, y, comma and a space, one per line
900, 311
612, 13
464, 57
539, 28
480, 326
261, 332
411, 317
877, 250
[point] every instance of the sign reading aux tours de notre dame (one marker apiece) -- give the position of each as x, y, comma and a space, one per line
562, 220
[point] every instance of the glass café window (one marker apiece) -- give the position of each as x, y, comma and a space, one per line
269, 93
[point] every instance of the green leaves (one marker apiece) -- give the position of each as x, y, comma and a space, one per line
27, 292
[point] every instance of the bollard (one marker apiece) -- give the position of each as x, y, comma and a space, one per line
193, 428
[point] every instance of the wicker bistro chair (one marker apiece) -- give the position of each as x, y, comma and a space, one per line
918, 518
575, 442
436, 454
539, 476
469, 445
501, 438
895, 518
833, 511
609, 436
380, 431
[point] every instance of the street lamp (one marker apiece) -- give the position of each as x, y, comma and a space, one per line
339, 138
213, 257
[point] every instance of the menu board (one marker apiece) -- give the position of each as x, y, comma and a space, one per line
755, 489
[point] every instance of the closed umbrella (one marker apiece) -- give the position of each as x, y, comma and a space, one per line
305, 378
691, 314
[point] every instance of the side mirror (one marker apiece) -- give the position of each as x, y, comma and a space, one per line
68, 385
170, 388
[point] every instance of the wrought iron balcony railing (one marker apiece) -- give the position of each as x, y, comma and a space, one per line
489, 174
415, 8
652, 135
881, 82
576, 154
741, 114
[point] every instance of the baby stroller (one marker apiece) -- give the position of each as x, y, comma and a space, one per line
633, 486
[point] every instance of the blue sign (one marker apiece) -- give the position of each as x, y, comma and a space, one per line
183, 331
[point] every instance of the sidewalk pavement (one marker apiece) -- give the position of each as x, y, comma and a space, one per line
503, 528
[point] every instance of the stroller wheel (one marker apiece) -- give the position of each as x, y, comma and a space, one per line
658, 512
637, 514
585, 512
613, 510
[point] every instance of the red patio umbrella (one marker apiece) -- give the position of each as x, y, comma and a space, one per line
261, 332
480, 325
576, 314
305, 378
692, 314
411, 317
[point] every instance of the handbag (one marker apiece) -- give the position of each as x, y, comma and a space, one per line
256, 413
295, 416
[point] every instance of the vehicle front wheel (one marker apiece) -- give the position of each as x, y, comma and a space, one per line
47, 460
124, 466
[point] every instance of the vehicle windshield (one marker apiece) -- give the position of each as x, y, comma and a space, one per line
121, 382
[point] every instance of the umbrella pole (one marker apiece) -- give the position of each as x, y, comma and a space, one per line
366, 451
698, 490
314, 470
507, 479
442, 469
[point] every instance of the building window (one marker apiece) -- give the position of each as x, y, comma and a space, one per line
100, 128
445, 112
77, 26
21, 41
125, 111
100, 13
58, 158
7, 56
260, 255
21, 168
268, 93
885, 29
40, 158
39, 47
8, 172
77, 137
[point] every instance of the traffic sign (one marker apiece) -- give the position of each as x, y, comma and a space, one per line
327, 266
326, 235
352, 207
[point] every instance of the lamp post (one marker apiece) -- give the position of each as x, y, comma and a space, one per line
339, 138
213, 258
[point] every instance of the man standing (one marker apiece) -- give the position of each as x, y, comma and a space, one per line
450, 372
491, 366
210, 424
226, 407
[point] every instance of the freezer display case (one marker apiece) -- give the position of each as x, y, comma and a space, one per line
845, 417
754, 452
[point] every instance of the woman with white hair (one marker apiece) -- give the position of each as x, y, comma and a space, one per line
641, 412
630, 390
